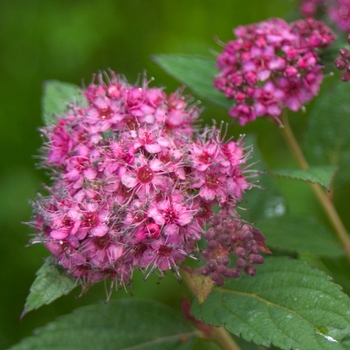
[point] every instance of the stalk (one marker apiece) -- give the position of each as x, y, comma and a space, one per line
320, 194
219, 334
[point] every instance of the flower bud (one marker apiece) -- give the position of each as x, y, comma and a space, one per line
212, 265
345, 77
255, 259
250, 270
345, 53
340, 63
212, 245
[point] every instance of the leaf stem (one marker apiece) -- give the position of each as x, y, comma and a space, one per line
322, 197
218, 333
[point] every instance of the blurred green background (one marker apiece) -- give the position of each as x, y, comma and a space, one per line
68, 41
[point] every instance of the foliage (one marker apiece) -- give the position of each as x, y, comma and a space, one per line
287, 304
51, 283
119, 324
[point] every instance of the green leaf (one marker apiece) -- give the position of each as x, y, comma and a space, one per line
121, 324
50, 284
327, 139
299, 233
322, 175
339, 270
196, 72
57, 95
266, 201
287, 303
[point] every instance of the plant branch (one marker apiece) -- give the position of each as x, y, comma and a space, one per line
322, 197
219, 334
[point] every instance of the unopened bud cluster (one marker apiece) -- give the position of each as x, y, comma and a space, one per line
232, 246
134, 182
272, 65
343, 62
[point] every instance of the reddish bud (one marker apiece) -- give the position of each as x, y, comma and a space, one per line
222, 269
240, 97
224, 238
212, 265
232, 273
206, 254
205, 270
224, 260
255, 249
212, 244
240, 263
218, 279
345, 53
240, 252
340, 63
250, 270
255, 259
345, 77
210, 234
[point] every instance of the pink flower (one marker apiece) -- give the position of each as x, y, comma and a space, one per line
203, 156
295, 92
171, 216
162, 256
103, 114
244, 113
269, 100
237, 184
102, 251
146, 176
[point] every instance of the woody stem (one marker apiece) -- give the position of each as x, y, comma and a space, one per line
320, 194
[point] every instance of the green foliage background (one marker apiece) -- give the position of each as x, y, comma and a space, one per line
68, 41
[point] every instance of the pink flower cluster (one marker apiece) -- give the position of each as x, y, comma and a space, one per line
338, 11
272, 65
134, 182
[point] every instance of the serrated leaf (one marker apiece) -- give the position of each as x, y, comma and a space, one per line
322, 175
56, 97
266, 201
50, 284
327, 139
121, 324
196, 72
299, 233
287, 303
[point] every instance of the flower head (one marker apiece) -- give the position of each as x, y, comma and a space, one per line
272, 65
134, 182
